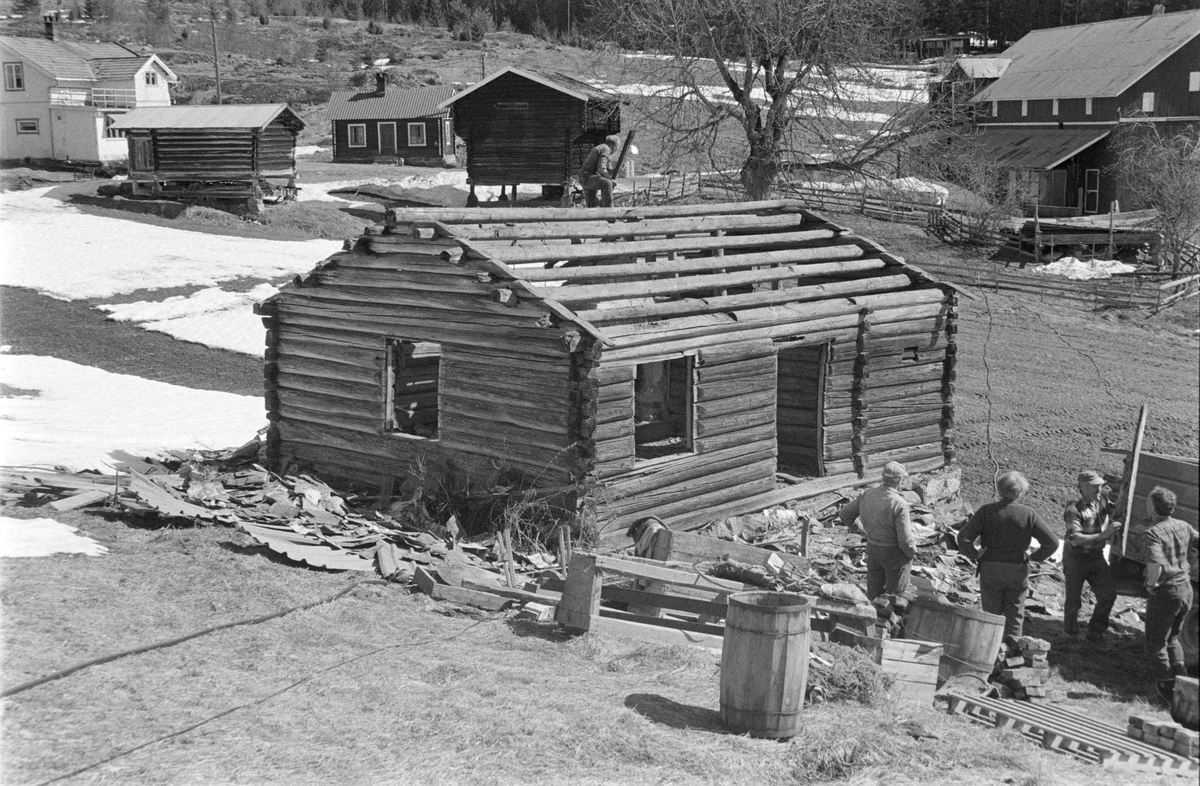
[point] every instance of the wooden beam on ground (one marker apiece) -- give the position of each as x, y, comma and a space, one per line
610, 229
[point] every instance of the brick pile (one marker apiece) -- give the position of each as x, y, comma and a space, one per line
1168, 735
1025, 669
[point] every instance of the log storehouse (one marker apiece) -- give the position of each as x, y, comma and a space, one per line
655, 360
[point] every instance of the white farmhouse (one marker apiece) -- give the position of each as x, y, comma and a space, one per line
61, 97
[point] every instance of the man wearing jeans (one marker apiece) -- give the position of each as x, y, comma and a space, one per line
1089, 528
1170, 545
886, 523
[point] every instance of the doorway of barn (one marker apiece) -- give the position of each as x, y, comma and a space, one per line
799, 406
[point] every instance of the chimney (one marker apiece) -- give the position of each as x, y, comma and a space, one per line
48, 21
1159, 10
380, 83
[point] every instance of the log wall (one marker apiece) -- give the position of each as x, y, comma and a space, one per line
505, 392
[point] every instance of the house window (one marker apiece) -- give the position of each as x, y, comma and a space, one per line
1054, 107
662, 408
109, 131
1024, 107
151, 78
1087, 106
411, 395
358, 134
28, 126
995, 109
1148, 102
14, 76
416, 135
1194, 82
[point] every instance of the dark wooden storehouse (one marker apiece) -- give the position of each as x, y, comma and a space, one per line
667, 361
526, 127
225, 152
387, 124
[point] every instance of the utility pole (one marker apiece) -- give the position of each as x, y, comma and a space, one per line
216, 57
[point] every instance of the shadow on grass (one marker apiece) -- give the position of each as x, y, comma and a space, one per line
671, 713
1118, 671
547, 631
153, 207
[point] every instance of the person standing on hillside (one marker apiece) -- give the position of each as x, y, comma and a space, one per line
1089, 527
1006, 529
1170, 546
597, 175
888, 528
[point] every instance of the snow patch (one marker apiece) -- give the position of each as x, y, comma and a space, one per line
212, 317
43, 537
82, 413
1078, 270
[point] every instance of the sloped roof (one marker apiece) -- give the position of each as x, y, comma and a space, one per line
628, 270
220, 116
390, 105
555, 81
1099, 60
983, 67
69, 59
1037, 148
116, 67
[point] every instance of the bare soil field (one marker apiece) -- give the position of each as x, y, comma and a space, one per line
381, 686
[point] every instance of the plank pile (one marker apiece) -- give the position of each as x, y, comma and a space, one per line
1025, 669
890, 610
1168, 735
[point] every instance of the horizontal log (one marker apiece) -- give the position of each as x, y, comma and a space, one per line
765, 432
713, 425
653, 267
856, 287
655, 475
595, 229
662, 287
450, 216
639, 248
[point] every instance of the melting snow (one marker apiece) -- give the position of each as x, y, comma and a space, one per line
1077, 269
43, 537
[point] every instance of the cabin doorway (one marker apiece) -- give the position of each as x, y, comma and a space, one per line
799, 410
387, 139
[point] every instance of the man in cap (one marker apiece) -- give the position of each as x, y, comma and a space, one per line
888, 528
597, 173
1170, 556
1089, 528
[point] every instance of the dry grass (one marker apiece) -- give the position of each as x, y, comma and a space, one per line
385, 687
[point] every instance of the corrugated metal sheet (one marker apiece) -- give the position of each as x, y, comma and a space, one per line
221, 116
391, 105
66, 59
1037, 148
983, 67
1099, 60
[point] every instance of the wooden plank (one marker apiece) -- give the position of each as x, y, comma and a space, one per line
640, 630
670, 545
650, 569
80, 499
580, 604
1131, 481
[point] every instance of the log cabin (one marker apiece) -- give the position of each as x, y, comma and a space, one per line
665, 361
525, 127
226, 153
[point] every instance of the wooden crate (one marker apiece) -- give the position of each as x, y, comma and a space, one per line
914, 666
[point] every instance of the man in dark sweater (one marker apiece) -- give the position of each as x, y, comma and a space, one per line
1006, 529
1170, 546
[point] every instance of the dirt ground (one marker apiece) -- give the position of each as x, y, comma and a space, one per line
384, 687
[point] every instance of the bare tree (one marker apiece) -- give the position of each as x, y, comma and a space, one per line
788, 73
1160, 169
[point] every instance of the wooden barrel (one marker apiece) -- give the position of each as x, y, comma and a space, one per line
971, 637
764, 663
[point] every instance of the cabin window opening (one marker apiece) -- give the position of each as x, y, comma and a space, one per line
1148, 102
14, 76
662, 408
416, 135
358, 135
911, 355
800, 410
411, 388
28, 126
